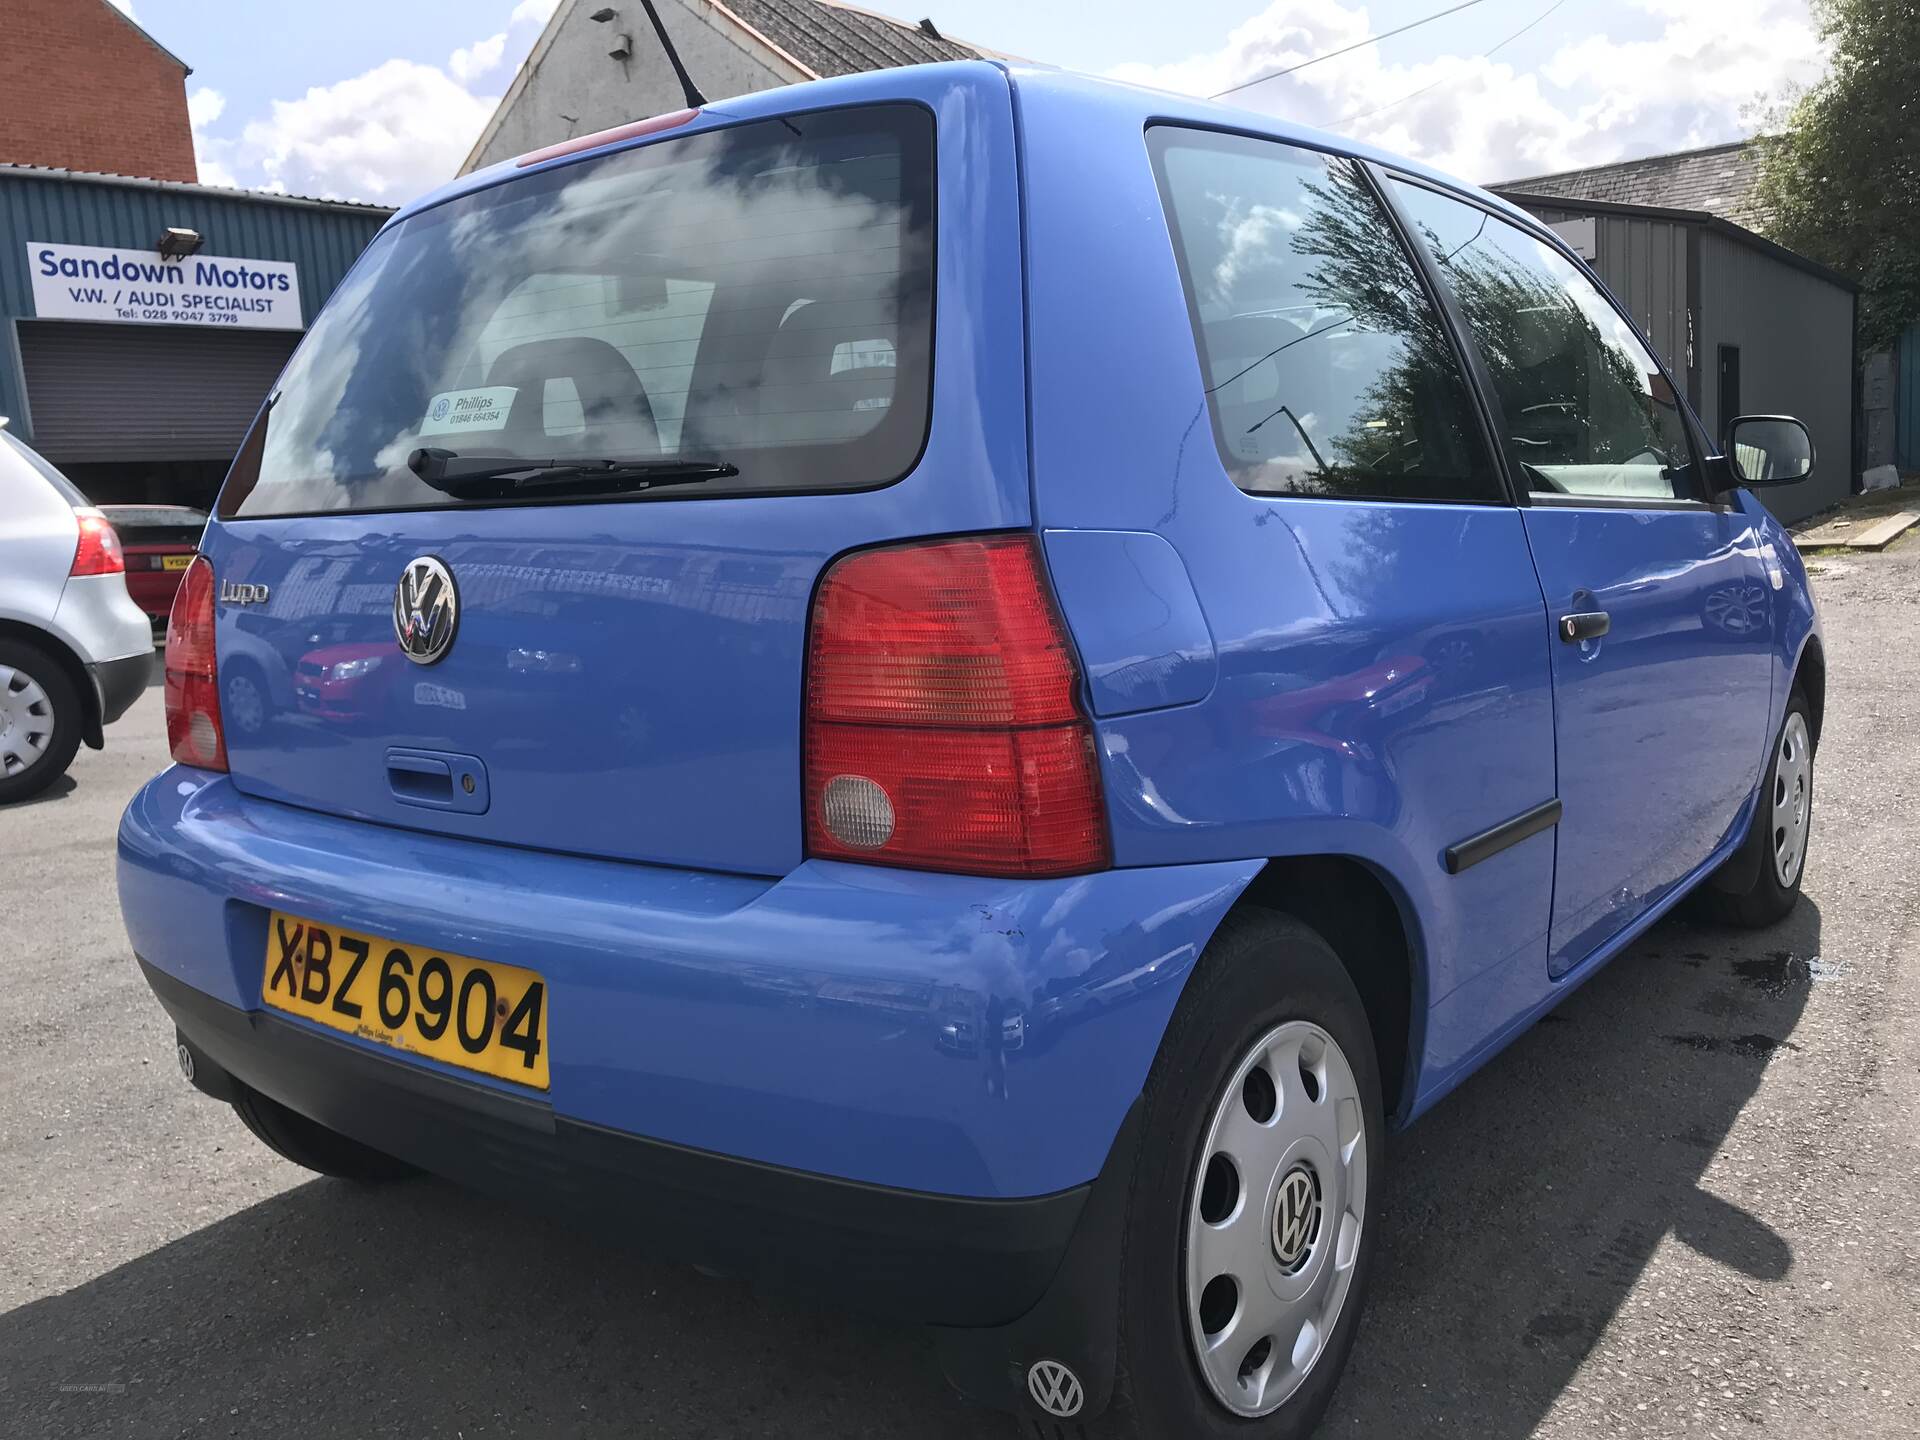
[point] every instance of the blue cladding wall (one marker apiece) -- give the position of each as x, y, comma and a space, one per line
48, 207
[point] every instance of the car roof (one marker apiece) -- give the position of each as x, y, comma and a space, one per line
1167, 106
917, 81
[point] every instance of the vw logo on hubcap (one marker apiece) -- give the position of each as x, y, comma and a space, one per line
426, 610
1296, 1217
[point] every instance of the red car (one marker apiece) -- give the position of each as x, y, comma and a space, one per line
159, 541
344, 682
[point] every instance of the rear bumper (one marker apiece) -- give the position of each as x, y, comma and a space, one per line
926, 1257
807, 1023
121, 682
99, 620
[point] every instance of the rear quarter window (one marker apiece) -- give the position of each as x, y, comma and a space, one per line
1327, 367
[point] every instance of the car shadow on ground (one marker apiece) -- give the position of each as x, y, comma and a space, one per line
1521, 1213
57, 789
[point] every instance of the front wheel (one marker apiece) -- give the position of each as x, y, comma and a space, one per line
1251, 1228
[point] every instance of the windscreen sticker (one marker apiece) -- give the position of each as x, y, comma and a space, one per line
452, 411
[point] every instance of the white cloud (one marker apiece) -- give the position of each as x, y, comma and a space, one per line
1596, 98
389, 134
478, 58
204, 106
125, 7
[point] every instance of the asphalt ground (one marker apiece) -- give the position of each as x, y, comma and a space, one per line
1686, 1204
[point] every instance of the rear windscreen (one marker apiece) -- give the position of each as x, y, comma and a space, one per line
63, 486
756, 298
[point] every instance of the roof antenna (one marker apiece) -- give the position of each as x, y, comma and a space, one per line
695, 100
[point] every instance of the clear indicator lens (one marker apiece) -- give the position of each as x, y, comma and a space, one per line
857, 812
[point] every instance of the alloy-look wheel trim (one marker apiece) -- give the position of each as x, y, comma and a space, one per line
26, 722
1792, 799
1275, 1210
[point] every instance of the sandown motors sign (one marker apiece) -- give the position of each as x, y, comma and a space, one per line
143, 287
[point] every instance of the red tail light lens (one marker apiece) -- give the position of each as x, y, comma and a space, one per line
942, 727
194, 730
98, 552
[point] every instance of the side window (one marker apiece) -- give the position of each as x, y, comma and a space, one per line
1587, 409
1327, 368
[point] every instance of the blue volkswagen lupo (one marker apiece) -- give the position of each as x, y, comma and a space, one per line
954, 687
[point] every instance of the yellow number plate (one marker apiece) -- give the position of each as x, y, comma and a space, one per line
472, 1013
175, 562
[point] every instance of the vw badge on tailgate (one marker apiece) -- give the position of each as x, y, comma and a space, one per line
426, 610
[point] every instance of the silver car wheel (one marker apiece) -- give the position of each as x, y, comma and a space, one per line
26, 722
1278, 1201
1792, 799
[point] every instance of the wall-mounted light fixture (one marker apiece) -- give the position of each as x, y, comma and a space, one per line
177, 243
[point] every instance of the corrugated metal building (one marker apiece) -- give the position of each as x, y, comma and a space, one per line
137, 372
1754, 328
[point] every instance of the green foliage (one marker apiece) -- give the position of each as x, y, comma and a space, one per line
1842, 184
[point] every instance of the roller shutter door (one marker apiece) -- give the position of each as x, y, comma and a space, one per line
145, 392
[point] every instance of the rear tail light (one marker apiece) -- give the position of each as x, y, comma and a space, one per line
98, 552
943, 730
193, 688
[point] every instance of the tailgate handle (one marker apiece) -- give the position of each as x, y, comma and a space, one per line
438, 780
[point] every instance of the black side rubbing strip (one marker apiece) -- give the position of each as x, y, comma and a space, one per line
1475, 848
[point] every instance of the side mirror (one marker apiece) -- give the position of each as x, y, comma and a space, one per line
1769, 450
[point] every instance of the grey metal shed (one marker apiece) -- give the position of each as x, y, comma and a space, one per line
1753, 327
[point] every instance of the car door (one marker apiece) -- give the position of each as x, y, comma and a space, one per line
1658, 607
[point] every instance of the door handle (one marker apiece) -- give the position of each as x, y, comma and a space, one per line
1584, 625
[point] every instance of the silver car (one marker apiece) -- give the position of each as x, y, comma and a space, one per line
75, 651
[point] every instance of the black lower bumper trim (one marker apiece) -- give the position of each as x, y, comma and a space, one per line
938, 1259
121, 682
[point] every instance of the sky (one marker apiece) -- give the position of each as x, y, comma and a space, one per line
382, 99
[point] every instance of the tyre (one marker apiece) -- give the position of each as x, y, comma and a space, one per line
40, 720
1781, 827
311, 1145
1251, 1219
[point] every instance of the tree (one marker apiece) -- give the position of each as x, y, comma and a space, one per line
1842, 183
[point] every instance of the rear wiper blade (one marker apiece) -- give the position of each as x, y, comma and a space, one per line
494, 476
